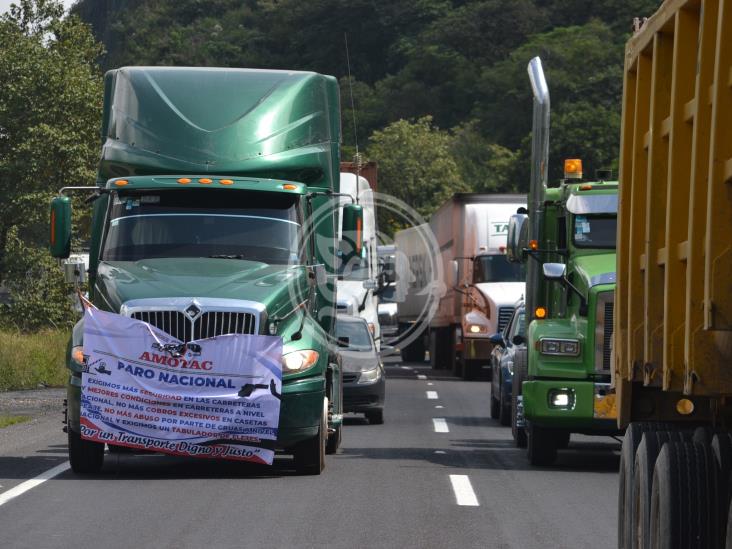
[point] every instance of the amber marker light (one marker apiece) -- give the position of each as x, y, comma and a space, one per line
205, 181
289, 187
585, 187
540, 312
573, 168
121, 182
184, 181
226, 182
534, 245
685, 407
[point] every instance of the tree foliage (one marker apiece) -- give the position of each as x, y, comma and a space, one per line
50, 105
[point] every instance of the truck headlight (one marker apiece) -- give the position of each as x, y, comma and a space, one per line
370, 376
477, 329
299, 361
559, 347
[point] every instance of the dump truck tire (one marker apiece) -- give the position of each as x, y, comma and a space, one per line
85, 456
310, 454
541, 447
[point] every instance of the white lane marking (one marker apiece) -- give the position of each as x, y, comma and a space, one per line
464, 494
32, 483
439, 407
432, 395
430, 383
421, 376
440, 452
440, 425
407, 368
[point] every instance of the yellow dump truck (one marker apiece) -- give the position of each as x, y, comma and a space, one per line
673, 307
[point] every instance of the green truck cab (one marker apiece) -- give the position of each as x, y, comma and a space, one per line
214, 213
567, 239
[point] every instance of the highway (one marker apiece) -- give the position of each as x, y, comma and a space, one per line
439, 473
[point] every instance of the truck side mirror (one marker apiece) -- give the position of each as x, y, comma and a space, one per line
60, 227
554, 271
518, 237
352, 230
518, 339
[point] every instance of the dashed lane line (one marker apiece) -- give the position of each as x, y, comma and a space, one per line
432, 395
32, 483
421, 376
440, 425
464, 494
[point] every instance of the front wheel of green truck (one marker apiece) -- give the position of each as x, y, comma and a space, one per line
85, 456
310, 454
541, 446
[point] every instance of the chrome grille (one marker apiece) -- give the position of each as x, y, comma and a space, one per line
604, 331
207, 324
504, 316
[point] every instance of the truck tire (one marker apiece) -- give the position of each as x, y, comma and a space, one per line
520, 370
440, 348
541, 447
626, 505
334, 440
310, 454
375, 417
85, 456
495, 407
722, 450
684, 498
414, 352
645, 460
471, 369
728, 535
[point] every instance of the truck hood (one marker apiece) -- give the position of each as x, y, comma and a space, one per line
502, 293
594, 270
120, 281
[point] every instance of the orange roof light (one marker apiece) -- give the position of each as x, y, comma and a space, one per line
573, 168
205, 181
534, 244
121, 182
289, 187
184, 181
226, 182
540, 312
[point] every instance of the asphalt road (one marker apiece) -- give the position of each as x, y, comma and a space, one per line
416, 481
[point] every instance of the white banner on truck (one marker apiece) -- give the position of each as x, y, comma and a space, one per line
216, 398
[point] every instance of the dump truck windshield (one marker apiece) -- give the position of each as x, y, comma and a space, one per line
593, 231
496, 268
227, 224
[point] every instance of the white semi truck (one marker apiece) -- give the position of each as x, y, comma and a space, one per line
482, 287
357, 279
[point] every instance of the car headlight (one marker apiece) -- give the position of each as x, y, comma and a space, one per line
370, 376
77, 355
559, 347
509, 366
299, 361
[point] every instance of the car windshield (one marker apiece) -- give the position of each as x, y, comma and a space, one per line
357, 333
594, 231
228, 224
496, 268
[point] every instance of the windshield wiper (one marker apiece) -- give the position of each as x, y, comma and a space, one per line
227, 256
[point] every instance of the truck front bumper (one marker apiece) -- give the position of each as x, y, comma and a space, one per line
580, 406
300, 410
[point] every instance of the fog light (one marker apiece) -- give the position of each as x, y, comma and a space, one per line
561, 398
685, 407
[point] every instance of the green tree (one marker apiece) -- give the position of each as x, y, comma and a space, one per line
415, 165
50, 106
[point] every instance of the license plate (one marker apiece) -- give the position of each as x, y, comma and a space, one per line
605, 407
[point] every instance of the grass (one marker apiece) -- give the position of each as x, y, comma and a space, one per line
30, 360
7, 421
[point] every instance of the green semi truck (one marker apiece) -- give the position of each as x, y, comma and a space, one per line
231, 176
562, 380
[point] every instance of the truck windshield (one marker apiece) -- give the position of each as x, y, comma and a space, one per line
594, 231
229, 224
496, 268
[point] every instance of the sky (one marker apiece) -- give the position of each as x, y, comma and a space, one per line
5, 4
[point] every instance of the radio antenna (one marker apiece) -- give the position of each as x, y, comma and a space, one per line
357, 157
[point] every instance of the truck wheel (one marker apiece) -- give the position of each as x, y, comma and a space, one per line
85, 456
310, 454
722, 450
334, 441
541, 446
375, 417
439, 340
471, 369
414, 352
504, 409
684, 498
562, 439
645, 460
728, 537
495, 407
519, 374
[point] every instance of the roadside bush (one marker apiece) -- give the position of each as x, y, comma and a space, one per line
30, 360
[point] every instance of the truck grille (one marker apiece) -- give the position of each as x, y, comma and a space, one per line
207, 324
604, 331
504, 316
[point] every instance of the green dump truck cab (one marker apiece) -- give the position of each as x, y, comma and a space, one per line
567, 239
230, 176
